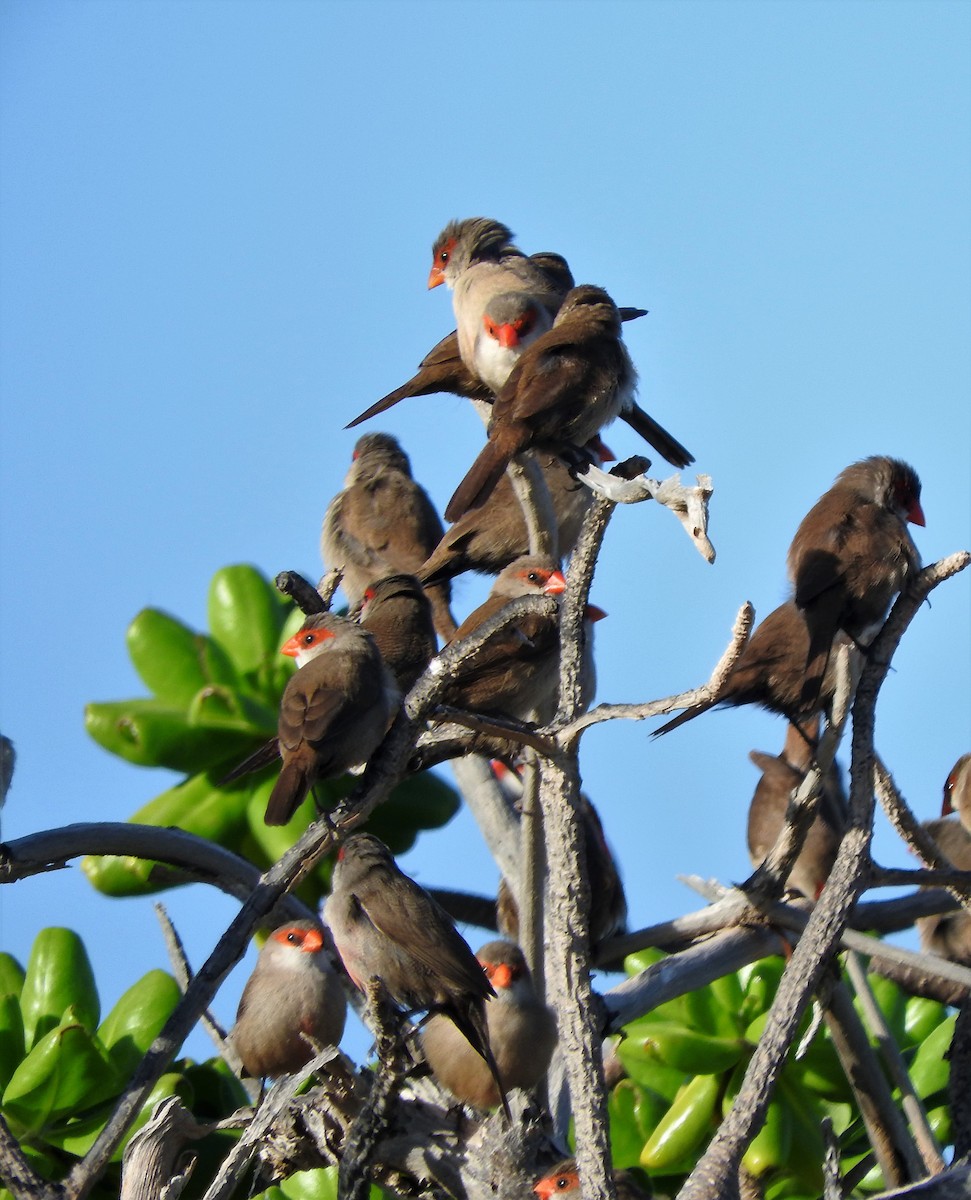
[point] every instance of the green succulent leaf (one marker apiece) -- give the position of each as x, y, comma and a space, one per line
136, 1020
173, 660
246, 616
58, 977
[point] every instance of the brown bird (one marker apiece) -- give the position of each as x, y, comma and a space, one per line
608, 901
767, 813
564, 1180
292, 992
570, 383
517, 673
388, 928
852, 554
522, 1034
382, 523
949, 934
489, 538
771, 672
335, 709
397, 614
565, 387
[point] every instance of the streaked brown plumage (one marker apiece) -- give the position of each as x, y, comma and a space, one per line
767, 813
522, 1034
382, 523
292, 991
396, 613
335, 709
852, 553
387, 927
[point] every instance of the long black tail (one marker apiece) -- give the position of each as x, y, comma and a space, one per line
657, 436
470, 1022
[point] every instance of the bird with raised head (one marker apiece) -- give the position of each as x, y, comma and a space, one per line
852, 554
293, 994
386, 927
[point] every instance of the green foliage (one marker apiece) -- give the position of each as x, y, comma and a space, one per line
215, 700
685, 1062
62, 1072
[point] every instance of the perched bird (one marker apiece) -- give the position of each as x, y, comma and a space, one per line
767, 813
335, 709
382, 523
388, 928
397, 614
608, 902
563, 1180
771, 671
852, 554
570, 383
517, 674
293, 991
478, 261
949, 934
489, 538
564, 388
522, 1034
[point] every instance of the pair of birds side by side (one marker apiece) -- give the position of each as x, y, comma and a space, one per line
487, 1031
546, 354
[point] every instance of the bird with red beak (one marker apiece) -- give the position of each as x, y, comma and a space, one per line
522, 1034
292, 1000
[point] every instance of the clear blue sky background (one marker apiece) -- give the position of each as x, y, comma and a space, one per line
216, 229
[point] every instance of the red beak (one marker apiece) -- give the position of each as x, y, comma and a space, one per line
555, 584
508, 336
593, 613
915, 514
291, 647
436, 276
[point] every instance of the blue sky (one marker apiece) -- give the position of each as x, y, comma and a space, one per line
216, 230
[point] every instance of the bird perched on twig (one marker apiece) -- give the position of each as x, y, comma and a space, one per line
335, 709
852, 554
382, 523
771, 672
388, 928
292, 992
489, 538
781, 774
949, 934
570, 382
396, 613
517, 674
522, 1034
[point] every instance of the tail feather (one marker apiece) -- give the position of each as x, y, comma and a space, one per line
657, 436
682, 718
471, 1024
479, 482
267, 753
382, 405
288, 793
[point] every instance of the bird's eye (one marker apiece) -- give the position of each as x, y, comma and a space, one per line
293, 938
563, 1182
308, 639
533, 577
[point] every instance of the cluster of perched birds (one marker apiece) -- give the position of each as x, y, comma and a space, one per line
544, 361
